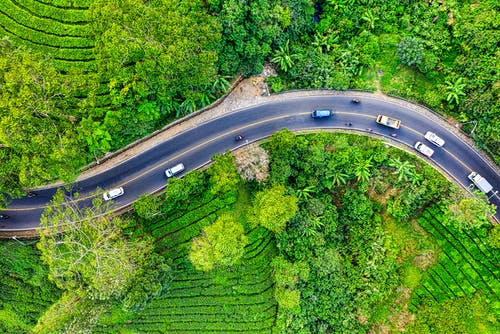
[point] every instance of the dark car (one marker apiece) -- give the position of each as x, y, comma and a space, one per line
239, 137
321, 113
355, 100
3, 216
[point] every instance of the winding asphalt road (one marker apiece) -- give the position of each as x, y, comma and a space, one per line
145, 172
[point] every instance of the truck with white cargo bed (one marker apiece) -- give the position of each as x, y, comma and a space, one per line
388, 121
480, 182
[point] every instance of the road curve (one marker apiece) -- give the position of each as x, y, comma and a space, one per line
144, 173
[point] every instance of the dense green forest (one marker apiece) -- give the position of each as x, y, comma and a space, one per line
82, 78
361, 241
328, 232
443, 54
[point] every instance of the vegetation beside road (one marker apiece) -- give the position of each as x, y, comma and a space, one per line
351, 255
98, 74
369, 237
441, 54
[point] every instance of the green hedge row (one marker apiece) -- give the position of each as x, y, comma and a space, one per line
204, 327
467, 247
256, 237
183, 237
172, 225
485, 252
245, 274
217, 290
458, 250
237, 299
64, 59
250, 254
25, 291
80, 44
67, 4
173, 212
447, 284
57, 52
465, 265
43, 10
200, 312
25, 18
67, 66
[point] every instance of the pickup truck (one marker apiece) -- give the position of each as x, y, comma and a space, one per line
388, 121
480, 182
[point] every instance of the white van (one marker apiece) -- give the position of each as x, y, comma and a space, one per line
112, 194
174, 170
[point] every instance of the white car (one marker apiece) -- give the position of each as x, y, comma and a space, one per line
114, 193
424, 149
174, 170
433, 138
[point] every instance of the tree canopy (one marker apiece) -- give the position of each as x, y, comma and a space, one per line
87, 253
272, 209
37, 121
221, 244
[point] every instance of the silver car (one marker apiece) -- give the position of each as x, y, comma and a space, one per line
433, 138
424, 149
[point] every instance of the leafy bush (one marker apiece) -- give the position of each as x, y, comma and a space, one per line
411, 51
220, 245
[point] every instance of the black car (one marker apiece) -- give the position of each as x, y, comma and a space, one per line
355, 100
239, 137
3, 216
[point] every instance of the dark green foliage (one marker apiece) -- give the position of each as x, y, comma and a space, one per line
251, 27
411, 51
115, 71
337, 234
356, 43
37, 122
25, 290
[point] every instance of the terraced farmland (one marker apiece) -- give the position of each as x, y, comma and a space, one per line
56, 27
466, 264
240, 299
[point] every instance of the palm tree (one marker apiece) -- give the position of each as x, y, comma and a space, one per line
370, 18
362, 169
322, 43
305, 193
335, 177
220, 85
186, 107
311, 226
205, 98
416, 178
455, 90
404, 169
170, 105
283, 58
